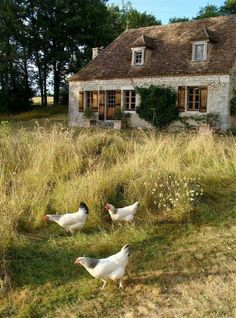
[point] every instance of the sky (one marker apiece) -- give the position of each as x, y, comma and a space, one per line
165, 9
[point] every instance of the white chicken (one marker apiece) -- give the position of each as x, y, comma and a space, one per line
112, 267
122, 214
71, 222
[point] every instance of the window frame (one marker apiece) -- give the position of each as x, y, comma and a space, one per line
194, 44
134, 52
89, 96
113, 93
194, 109
127, 99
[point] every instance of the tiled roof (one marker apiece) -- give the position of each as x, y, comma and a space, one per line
142, 41
171, 47
205, 34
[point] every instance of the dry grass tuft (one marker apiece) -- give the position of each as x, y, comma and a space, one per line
52, 170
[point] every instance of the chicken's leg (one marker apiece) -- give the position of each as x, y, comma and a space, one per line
104, 283
121, 284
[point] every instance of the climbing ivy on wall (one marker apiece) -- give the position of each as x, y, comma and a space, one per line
233, 104
158, 105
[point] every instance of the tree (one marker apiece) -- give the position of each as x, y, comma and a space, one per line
120, 18
34, 20
74, 29
15, 91
208, 11
64, 33
176, 20
137, 19
229, 7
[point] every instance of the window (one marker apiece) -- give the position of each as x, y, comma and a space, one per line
199, 51
89, 99
111, 98
81, 101
196, 99
193, 98
129, 100
138, 56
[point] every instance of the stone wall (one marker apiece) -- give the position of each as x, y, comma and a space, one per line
218, 94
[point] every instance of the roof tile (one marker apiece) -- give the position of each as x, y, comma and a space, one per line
171, 53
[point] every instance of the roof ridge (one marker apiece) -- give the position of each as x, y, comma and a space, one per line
185, 22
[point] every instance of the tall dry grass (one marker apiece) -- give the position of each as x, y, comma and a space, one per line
52, 170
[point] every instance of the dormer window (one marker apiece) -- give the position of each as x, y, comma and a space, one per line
199, 51
138, 56
141, 50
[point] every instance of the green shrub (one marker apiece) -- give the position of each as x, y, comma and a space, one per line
233, 104
118, 114
158, 105
212, 119
88, 113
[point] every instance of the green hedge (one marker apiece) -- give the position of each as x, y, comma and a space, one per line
158, 105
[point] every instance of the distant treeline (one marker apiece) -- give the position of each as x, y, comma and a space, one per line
42, 42
210, 10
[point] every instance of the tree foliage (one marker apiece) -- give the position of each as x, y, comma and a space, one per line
158, 105
208, 11
176, 20
62, 33
127, 16
229, 7
15, 91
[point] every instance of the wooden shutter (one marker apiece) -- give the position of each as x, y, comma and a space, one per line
81, 101
118, 98
181, 98
203, 99
102, 98
95, 101
101, 104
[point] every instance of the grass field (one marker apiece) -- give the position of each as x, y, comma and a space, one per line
37, 100
52, 113
183, 241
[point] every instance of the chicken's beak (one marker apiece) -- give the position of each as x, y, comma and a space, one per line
45, 218
107, 206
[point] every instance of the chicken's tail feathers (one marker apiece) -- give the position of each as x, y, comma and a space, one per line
83, 206
126, 249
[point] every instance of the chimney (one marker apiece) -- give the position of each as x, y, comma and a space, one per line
96, 51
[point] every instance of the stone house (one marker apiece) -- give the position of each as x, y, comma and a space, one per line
197, 59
